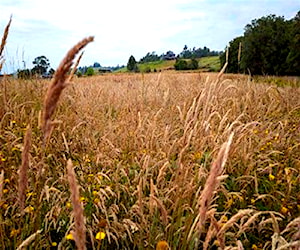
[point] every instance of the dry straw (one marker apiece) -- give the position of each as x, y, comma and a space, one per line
75, 67
80, 230
3, 42
23, 172
1, 184
26, 242
57, 85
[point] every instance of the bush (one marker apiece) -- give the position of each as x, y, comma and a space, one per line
79, 73
182, 64
90, 71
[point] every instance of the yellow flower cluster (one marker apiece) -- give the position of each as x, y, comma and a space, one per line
100, 236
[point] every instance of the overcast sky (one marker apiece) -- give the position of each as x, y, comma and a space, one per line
126, 27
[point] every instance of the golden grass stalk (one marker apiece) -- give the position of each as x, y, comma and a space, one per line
228, 224
80, 230
3, 42
75, 67
292, 245
212, 182
1, 184
57, 85
225, 65
23, 172
26, 242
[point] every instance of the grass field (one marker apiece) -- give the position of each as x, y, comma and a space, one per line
155, 163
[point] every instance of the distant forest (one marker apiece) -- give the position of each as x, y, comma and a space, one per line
185, 54
270, 46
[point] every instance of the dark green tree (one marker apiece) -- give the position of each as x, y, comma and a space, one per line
233, 64
41, 65
51, 71
132, 65
266, 46
24, 74
96, 65
293, 59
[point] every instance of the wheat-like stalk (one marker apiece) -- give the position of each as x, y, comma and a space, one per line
212, 181
58, 84
3, 42
80, 237
75, 67
23, 172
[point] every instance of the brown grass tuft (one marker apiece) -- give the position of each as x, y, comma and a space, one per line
23, 172
80, 237
58, 84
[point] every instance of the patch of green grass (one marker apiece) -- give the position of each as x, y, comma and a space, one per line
211, 63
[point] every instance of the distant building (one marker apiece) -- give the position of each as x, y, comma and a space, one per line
104, 69
169, 56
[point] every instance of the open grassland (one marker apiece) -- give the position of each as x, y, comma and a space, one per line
149, 156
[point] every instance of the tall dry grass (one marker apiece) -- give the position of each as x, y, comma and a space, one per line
155, 160
143, 147
3, 42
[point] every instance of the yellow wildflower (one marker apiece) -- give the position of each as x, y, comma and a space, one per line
284, 210
197, 156
82, 199
3, 159
95, 192
254, 247
68, 205
6, 181
5, 191
14, 232
70, 237
54, 244
100, 236
29, 209
252, 201
271, 177
96, 200
162, 245
216, 243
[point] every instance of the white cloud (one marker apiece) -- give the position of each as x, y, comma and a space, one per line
124, 28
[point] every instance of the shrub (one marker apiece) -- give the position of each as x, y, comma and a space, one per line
90, 71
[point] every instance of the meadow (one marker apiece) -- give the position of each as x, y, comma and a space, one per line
178, 160
164, 160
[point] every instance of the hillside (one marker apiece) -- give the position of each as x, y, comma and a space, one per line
211, 63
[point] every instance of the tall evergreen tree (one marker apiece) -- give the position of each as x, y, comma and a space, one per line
132, 65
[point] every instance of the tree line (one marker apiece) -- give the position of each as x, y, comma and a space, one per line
270, 45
